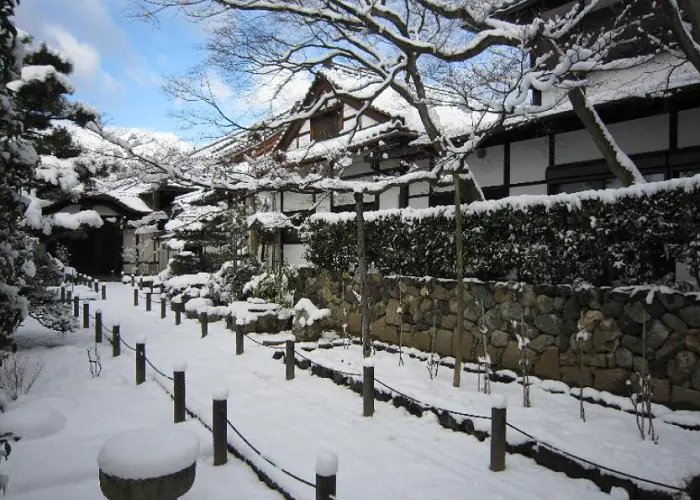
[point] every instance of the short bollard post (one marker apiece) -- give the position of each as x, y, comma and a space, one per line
368, 387
133, 280
116, 341
86, 314
104, 291
179, 392
204, 323
289, 359
163, 305
148, 301
98, 326
498, 433
140, 361
229, 321
76, 307
63, 294
219, 426
136, 297
326, 474
177, 307
97, 286
239, 339
69, 296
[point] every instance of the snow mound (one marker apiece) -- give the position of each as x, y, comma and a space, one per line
554, 386
326, 463
313, 313
219, 394
148, 452
33, 421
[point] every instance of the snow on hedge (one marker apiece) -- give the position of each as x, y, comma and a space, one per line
312, 313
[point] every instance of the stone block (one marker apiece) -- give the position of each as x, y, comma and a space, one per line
544, 304
692, 340
548, 364
572, 376
681, 367
542, 342
691, 315
674, 323
443, 342
499, 338
606, 337
612, 380
548, 323
685, 398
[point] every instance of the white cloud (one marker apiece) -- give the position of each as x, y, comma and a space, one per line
218, 88
84, 56
277, 92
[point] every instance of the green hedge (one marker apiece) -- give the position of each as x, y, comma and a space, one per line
625, 236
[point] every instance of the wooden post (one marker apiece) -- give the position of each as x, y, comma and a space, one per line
229, 321
368, 388
239, 339
63, 294
179, 392
204, 323
178, 313
76, 307
140, 361
163, 305
116, 341
498, 433
104, 291
86, 314
133, 280
289, 359
326, 475
98, 326
69, 296
136, 297
219, 429
148, 301
97, 286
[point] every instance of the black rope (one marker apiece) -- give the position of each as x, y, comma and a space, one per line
125, 344
276, 348
282, 469
157, 370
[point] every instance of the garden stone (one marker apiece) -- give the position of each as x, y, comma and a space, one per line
493, 319
392, 315
591, 320
656, 334
528, 298
548, 323
558, 303
544, 304
448, 322
629, 326
472, 312
681, 367
443, 342
661, 391
640, 365
563, 342
511, 311
499, 338
483, 294
572, 308
439, 293
658, 368
623, 358
612, 309
672, 302
606, 336
691, 315
692, 341
634, 344
502, 293
695, 377
674, 323
548, 364
354, 322
511, 356
542, 342
612, 380
685, 397
496, 354
595, 360
572, 376
637, 312
656, 308
671, 347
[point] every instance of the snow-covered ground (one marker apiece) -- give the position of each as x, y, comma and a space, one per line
392, 455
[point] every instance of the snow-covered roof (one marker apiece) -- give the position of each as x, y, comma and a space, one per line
269, 220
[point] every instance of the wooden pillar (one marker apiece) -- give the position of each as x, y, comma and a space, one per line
179, 392
219, 429
498, 433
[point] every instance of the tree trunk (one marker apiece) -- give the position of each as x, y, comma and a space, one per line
689, 40
362, 271
619, 163
459, 263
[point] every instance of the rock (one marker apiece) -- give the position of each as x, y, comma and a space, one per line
634, 344
558, 303
685, 398
472, 312
595, 360
692, 341
672, 302
502, 293
612, 380
354, 323
656, 334
695, 377
612, 309
658, 369
440, 293
563, 342
483, 294
511, 311
545, 304
499, 338
591, 320
448, 322
421, 340
623, 358
671, 347
467, 345
496, 354
493, 319
691, 315
426, 306
548, 364
393, 317
629, 326
661, 391
640, 365
674, 323
681, 367
528, 296
548, 323
511, 357
568, 358
542, 342
572, 376
572, 308
443, 342
637, 312
606, 336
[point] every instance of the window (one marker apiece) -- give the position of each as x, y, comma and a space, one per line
444, 198
605, 183
325, 126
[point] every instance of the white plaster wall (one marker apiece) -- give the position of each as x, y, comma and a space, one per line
304, 140
529, 160
534, 189
418, 188
389, 199
297, 201
305, 127
489, 169
574, 146
689, 128
349, 199
294, 254
128, 241
324, 203
422, 202
71, 209
358, 167
349, 124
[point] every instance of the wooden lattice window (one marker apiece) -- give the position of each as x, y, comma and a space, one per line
325, 126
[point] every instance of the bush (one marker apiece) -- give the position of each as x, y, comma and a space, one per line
274, 287
623, 236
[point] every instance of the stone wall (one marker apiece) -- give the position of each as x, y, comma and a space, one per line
615, 318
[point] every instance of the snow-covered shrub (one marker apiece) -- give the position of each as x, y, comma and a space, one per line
623, 236
18, 374
185, 262
276, 287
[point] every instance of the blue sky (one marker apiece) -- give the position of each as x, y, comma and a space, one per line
120, 62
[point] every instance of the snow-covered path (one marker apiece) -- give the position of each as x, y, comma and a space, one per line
390, 456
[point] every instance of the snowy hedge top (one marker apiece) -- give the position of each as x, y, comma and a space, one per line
269, 220
523, 202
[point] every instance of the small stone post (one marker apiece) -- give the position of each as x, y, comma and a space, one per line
116, 341
76, 307
498, 433
163, 305
98, 326
149, 294
133, 280
136, 297
239, 339
204, 322
179, 392
140, 361
177, 307
219, 429
86, 314
104, 291
63, 294
326, 474
289, 359
97, 285
229, 321
368, 387
69, 296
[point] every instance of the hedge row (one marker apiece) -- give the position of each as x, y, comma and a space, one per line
625, 236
